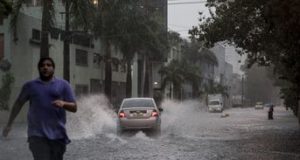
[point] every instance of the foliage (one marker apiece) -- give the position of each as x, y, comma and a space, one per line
267, 31
173, 74
125, 25
216, 88
5, 90
5, 8
5, 65
195, 52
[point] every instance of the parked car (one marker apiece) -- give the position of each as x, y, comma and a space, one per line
259, 105
139, 114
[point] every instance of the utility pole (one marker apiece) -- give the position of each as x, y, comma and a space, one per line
243, 90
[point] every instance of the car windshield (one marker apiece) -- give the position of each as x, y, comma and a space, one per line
138, 103
214, 103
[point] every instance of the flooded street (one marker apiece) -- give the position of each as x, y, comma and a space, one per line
189, 132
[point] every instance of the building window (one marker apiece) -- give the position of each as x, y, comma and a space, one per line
97, 60
81, 89
36, 34
1, 46
81, 57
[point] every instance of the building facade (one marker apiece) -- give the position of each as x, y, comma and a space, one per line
86, 57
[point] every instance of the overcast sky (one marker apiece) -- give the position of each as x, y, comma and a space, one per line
181, 17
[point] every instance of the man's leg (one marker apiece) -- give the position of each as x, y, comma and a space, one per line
40, 148
57, 150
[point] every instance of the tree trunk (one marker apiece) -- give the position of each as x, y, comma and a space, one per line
66, 61
195, 90
108, 70
44, 50
298, 106
177, 94
146, 79
128, 79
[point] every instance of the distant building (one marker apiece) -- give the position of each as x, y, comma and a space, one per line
219, 71
236, 60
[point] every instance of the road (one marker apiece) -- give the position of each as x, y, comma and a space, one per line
189, 132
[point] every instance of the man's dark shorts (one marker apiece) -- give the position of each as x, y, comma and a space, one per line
45, 149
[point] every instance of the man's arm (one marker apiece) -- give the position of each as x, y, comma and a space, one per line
69, 106
13, 114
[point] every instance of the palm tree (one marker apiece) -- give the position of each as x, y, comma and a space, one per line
107, 23
173, 75
122, 24
193, 76
155, 48
194, 53
132, 37
77, 11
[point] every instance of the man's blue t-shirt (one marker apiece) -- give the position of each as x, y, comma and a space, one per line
45, 119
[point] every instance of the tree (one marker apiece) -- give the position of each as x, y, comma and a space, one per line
196, 54
173, 74
155, 48
78, 12
267, 31
114, 24
5, 8
193, 76
106, 25
136, 36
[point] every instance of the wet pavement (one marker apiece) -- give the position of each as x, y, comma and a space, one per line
189, 132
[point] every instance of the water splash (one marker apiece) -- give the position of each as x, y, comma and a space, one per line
94, 116
184, 118
142, 136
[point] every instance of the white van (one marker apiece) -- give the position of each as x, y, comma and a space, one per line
215, 103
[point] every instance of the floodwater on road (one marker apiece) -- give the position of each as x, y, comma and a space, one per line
189, 132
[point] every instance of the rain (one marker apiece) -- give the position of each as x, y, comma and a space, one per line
221, 79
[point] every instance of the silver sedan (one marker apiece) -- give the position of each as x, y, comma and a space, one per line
139, 114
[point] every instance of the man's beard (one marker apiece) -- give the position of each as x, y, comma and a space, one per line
46, 78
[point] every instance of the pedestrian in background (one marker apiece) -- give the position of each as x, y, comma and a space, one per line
270, 112
49, 99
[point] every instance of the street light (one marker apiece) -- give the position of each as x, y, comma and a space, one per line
95, 2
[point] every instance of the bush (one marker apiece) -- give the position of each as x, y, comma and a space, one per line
5, 90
